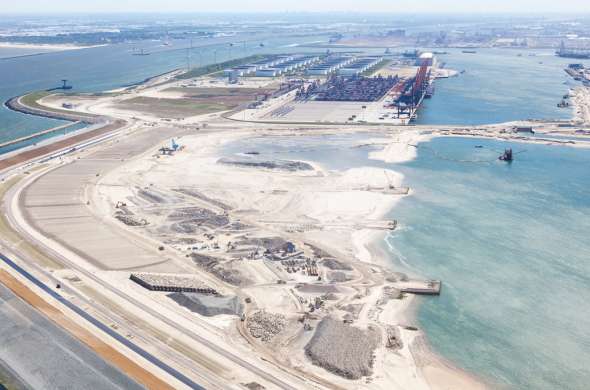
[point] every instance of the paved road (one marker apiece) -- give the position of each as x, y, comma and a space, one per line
67, 381
44, 356
58, 196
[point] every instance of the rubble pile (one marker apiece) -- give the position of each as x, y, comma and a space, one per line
264, 325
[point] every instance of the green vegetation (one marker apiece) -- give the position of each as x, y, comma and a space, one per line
213, 68
31, 99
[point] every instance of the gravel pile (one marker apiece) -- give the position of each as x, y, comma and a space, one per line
129, 220
334, 264
198, 195
208, 305
190, 213
263, 325
223, 272
151, 196
270, 243
189, 219
343, 349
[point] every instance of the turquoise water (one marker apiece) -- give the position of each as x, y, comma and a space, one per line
509, 241
511, 244
499, 86
34, 141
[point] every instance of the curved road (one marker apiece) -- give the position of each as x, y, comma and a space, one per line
104, 328
75, 185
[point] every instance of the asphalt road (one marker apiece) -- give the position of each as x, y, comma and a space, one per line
44, 356
45, 367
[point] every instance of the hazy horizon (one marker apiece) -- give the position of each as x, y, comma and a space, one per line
234, 6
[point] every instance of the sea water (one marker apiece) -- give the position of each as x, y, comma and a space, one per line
508, 240
105, 68
510, 243
499, 85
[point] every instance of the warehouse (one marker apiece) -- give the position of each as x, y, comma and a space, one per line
359, 66
268, 72
330, 65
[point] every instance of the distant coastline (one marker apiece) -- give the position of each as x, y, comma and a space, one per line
50, 47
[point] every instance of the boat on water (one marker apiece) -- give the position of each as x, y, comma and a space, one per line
469, 51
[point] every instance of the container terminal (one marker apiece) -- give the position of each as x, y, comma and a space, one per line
342, 88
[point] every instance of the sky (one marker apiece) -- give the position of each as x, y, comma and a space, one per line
389, 6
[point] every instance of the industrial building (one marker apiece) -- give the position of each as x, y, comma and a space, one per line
329, 65
272, 67
359, 66
268, 72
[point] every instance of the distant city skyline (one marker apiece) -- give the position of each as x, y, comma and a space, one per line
389, 6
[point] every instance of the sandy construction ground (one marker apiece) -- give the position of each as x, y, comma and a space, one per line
314, 208
293, 243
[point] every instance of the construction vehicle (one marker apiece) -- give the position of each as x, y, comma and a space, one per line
507, 155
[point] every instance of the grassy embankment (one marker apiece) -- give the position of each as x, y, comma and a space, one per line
32, 100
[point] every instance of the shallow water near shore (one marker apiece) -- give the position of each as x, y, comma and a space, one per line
509, 241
